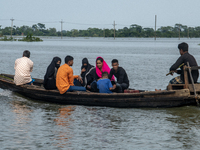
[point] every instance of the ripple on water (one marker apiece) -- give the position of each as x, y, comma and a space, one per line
28, 124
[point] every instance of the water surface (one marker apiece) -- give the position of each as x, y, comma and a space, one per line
29, 124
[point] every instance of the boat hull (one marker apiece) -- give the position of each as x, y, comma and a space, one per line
154, 99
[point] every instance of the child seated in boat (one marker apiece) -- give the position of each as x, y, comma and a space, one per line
23, 69
104, 84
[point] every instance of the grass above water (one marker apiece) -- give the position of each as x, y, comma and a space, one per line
28, 38
31, 38
8, 39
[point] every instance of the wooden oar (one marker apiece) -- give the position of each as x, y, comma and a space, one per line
176, 69
191, 78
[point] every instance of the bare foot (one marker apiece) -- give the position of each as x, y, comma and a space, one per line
157, 89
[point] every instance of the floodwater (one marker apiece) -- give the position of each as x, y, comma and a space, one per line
29, 124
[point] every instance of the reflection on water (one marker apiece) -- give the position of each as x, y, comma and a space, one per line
31, 125
187, 122
64, 121
22, 113
21, 120
28, 124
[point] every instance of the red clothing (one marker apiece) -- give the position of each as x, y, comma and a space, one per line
65, 78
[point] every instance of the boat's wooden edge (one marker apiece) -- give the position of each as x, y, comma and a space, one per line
7, 75
35, 87
148, 99
12, 77
189, 86
146, 93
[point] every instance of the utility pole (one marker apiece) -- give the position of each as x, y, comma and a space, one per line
114, 29
179, 31
188, 33
61, 28
155, 25
11, 26
104, 33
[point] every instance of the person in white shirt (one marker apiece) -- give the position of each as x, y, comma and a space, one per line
23, 69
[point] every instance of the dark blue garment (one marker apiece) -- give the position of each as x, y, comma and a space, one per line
76, 88
94, 86
104, 86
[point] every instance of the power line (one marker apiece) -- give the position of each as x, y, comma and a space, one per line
4, 19
37, 21
87, 24
55, 22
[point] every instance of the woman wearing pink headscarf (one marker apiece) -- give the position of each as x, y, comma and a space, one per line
101, 66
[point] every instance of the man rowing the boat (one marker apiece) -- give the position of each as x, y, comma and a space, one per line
183, 59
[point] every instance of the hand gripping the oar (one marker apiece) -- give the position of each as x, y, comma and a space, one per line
171, 72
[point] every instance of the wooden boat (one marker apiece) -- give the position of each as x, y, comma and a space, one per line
176, 95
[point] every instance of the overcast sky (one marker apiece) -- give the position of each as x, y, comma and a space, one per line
82, 14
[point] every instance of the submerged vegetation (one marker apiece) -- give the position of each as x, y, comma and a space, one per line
30, 38
133, 30
7, 39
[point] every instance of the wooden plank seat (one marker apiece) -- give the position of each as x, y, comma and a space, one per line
176, 86
183, 86
186, 85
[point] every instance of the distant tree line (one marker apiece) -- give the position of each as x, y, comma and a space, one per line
132, 31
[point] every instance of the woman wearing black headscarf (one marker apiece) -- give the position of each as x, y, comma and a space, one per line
50, 76
86, 68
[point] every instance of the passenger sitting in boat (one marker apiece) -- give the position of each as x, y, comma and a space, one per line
104, 84
23, 69
65, 78
50, 76
86, 68
101, 66
184, 58
122, 78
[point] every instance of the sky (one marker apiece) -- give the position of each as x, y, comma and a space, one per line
82, 14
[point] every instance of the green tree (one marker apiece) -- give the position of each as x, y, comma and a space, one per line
148, 32
34, 27
107, 33
166, 31
41, 26
6, 31
52, 32
74, 33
